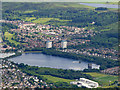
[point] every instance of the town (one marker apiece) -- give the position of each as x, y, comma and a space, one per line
62, 38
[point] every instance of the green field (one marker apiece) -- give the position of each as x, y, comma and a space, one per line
8, 36
56, 79
105, 30
42, 20
29, 11
103, 79
45, 20
29, 19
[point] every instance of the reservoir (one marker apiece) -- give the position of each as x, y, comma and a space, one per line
42, 60
100, 5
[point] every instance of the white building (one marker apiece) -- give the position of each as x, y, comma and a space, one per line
82, 82
94, 66
49, 44
64, 44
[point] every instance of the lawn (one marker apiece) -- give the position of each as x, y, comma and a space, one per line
56, 79
103, 79
8, 36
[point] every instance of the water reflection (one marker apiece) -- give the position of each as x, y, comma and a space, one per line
41, 60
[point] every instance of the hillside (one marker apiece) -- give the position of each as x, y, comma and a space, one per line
68, 14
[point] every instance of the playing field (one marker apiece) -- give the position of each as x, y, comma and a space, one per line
56, 79
103, 79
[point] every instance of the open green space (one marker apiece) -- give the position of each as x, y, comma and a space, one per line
29, 19
103, 79
41, 20
29, 11
9, 37
56, 79
44, 20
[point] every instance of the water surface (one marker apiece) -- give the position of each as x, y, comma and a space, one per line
41, 60
100, 5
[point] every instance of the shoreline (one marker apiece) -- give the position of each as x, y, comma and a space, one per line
32, 52
57, 56
16, 54
96, 5
111, 3
88, 59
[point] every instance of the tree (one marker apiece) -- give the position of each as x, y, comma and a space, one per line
5, 46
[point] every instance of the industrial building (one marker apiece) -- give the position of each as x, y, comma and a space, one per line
64, 44
83, 82
49, 44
